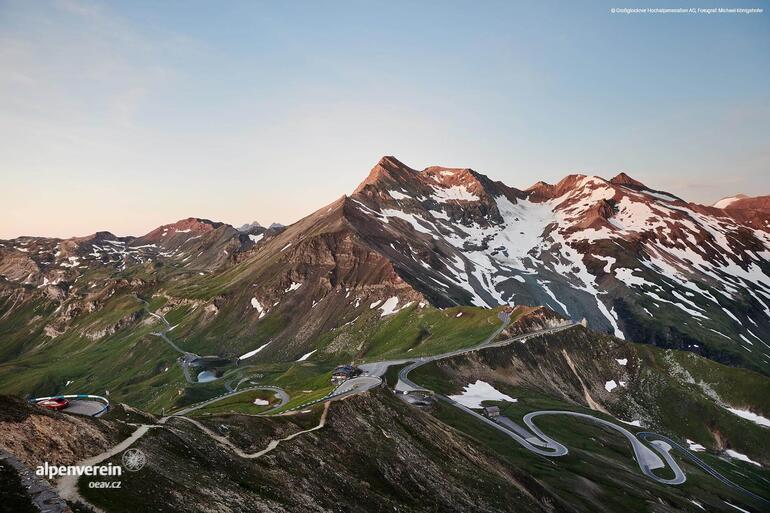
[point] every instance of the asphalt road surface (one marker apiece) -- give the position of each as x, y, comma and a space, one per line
279, 392
645, 457
355, 386
405, 385
85, 407
187, 357
655, 437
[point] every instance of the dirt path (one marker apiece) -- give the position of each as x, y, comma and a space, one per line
67, 486
270, 446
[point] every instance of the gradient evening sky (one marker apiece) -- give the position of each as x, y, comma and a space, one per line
126, 115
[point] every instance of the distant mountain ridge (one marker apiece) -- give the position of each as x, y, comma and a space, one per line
743, 202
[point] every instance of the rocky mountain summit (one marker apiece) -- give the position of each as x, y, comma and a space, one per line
634, 261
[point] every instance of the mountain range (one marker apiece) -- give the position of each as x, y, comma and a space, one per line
633, 261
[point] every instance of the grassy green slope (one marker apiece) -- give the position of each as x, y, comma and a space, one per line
140, 369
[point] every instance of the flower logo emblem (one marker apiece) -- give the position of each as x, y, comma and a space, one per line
134, 460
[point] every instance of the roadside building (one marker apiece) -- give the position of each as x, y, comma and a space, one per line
492, 411
342, 373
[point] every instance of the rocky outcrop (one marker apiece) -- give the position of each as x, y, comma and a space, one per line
109, 329
40, 495
34, 435
18, 266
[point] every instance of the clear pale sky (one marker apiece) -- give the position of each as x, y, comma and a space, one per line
123, 116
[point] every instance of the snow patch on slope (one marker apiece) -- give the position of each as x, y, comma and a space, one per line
306, 355
294, 286
258, 307
474, 393
753, 417
389, 306
725, 202
742, 457
454, 193
255, 351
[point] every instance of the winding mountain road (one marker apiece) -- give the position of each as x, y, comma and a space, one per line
645, 457
67, 485
534, 440
279, 392
655, 437
530, 437
270, 446
187, 357
405, 385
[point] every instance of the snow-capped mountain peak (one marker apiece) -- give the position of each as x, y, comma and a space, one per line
613, 251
